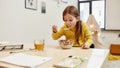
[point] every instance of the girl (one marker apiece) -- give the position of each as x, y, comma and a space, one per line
73, 29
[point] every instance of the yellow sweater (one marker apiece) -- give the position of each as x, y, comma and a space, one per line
86, 37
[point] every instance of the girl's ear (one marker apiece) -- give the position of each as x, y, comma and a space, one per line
78, 18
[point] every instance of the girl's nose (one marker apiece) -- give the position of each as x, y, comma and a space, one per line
67, 22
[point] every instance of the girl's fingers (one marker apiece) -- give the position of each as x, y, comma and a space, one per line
85, 47
54, 28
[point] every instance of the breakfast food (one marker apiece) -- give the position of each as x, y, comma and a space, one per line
66, 44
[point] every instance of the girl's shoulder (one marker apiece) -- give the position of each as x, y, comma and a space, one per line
84, 23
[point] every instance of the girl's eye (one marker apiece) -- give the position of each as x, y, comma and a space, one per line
71, 20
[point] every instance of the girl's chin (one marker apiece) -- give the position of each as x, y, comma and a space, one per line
71, 27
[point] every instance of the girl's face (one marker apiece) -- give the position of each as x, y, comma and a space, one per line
70, 20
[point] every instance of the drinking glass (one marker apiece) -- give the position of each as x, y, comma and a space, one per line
39, 44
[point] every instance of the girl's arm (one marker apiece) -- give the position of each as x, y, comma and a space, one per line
58, 34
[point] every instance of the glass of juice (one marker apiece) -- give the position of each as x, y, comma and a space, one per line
39, 44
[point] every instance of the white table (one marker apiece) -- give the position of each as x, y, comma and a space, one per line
96, 57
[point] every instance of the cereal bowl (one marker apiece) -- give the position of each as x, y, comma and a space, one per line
65, 44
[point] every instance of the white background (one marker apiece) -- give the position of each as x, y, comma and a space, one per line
18, 24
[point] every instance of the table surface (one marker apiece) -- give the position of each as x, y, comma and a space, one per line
96, 57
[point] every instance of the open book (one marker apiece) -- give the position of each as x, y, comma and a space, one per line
22, 59
70, 62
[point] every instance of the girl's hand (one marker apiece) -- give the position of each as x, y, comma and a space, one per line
85, 46
54, 28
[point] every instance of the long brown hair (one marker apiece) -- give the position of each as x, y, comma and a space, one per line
74, 11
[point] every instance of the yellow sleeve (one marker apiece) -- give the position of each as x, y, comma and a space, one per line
87, 34
58, 34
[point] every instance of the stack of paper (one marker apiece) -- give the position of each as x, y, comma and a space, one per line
25, 60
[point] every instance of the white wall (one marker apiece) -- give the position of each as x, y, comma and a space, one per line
18, 24
110, 37
112, 15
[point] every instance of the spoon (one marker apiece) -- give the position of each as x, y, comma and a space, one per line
66, 28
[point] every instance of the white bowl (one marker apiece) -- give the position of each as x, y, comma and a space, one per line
65, 44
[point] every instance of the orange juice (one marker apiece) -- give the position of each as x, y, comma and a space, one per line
39, 46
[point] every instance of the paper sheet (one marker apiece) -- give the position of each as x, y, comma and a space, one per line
25, 59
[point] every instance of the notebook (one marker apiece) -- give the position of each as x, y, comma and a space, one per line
22, 59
